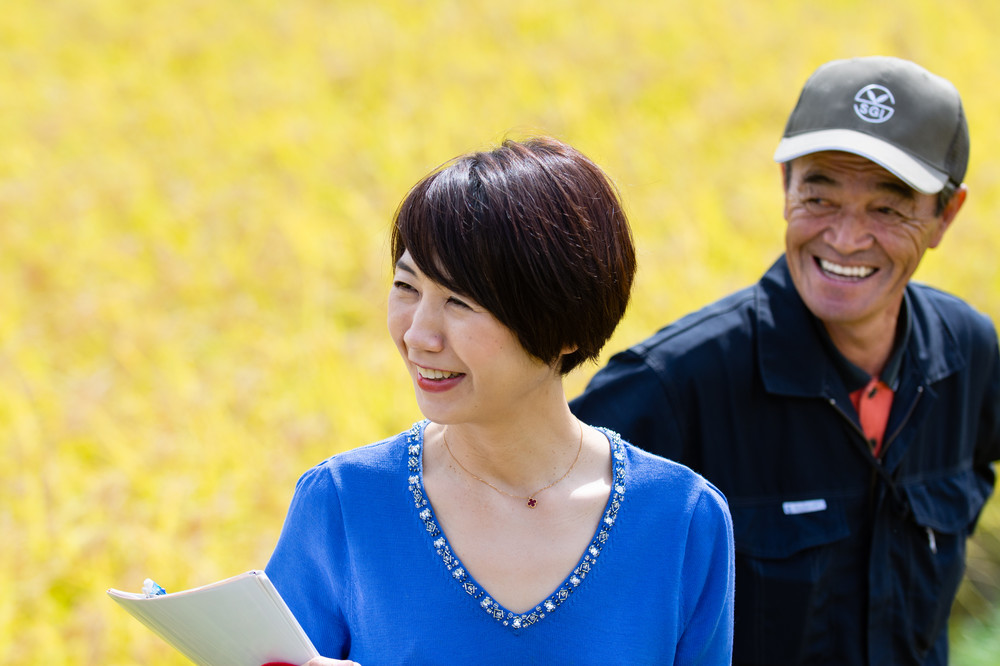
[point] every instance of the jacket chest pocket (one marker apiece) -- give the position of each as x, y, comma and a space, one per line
787, 557
927, 566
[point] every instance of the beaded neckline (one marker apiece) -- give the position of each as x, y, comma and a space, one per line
414, 443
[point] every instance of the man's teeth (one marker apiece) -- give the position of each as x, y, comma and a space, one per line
846, 271
428, 373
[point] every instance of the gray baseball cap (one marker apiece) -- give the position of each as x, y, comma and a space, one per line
888, 110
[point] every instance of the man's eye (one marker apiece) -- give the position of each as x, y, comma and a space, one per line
889, 215
817, 204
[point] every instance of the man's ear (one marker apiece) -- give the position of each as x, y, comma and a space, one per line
949, 213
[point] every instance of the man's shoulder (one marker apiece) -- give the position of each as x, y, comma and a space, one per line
933, 306
730, 316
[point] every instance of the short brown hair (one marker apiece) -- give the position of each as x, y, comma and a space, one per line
535, 233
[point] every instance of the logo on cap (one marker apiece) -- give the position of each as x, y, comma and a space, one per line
873, 103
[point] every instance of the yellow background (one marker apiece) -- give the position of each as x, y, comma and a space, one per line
194, 199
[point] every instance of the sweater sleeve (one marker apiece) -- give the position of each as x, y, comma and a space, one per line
308, 563
708, 585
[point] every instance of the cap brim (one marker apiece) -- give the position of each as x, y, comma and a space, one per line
917, 175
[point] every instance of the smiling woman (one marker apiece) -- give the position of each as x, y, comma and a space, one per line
536, 234
463, 538
526, 254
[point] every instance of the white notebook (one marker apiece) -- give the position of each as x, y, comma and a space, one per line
239, 621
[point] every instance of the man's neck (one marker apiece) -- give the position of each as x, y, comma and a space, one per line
868, 347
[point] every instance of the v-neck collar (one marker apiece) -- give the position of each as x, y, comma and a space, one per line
462, 578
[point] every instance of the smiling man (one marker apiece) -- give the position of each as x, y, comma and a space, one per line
850, 416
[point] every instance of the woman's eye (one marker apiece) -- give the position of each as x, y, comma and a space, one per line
403, 286
460, 303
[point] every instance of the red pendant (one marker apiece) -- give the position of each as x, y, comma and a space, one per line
532, 502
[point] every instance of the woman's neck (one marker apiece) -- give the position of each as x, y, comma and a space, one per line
522, 453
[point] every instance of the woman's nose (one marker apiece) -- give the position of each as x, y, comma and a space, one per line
425, 330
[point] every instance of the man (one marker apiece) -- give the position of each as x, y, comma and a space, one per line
849, 415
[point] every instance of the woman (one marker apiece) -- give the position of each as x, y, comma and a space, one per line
501, 529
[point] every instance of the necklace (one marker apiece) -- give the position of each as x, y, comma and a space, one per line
529, 499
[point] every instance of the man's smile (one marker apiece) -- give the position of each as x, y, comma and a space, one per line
841, 271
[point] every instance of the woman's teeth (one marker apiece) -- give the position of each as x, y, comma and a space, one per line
428, 373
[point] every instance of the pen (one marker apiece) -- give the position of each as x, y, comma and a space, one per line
151, 589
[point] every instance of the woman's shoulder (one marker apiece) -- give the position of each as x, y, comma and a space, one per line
651, 474
377, 458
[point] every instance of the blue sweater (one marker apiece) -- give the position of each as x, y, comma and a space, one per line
364, 566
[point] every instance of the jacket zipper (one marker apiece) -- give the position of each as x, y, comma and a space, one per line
880, 470
885, 446
909, 413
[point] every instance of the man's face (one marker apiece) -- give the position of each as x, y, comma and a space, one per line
855, 235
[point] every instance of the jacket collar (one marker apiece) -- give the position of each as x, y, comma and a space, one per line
793, 360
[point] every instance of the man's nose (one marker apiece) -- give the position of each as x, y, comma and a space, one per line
850, 231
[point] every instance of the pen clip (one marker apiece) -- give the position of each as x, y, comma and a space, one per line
931, 541
151, 589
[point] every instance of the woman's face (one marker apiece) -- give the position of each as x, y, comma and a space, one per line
465, 365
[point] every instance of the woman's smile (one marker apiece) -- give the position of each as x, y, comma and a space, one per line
435, 381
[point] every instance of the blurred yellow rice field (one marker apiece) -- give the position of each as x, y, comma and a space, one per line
194, 199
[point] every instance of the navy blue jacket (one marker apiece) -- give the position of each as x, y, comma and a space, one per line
840, 558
